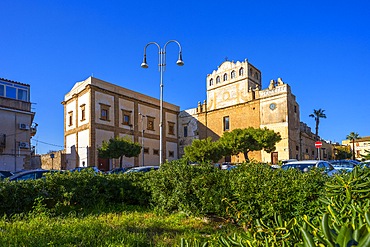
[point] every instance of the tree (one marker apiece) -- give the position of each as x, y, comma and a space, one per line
353, 136
118, 147
249, 139
342, 152
204, 151
317, 114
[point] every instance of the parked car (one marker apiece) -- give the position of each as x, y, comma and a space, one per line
142, 169
5, 174
30, 174
85, 168
287, 161
117, 170
345, 165
307, 165
364, 164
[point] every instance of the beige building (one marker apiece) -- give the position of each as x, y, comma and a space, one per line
235, 99
95, 110
16, 125
362, 146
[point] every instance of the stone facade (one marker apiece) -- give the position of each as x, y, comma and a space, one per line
95, 110
235, 99
16, 126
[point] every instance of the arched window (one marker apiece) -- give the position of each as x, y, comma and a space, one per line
211, 82
250, 72
225, 77
256, 75
233, 74
217, 79
241, 71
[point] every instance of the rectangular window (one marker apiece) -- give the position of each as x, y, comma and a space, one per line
171, 154
171, 128
83, 115
104, 112
155, 151
2, 90
185, 131
126, 117
146, 150
70, 118
226, 123
295, 109
11, 92
296, 148
22, 95
150, 123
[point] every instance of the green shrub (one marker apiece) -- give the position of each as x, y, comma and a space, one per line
73, 190
198, 189
260, 192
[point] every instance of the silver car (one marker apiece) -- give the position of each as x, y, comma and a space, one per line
142, 169
307, 165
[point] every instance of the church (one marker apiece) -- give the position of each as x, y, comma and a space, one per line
235, 99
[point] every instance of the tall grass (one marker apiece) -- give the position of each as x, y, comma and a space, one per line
136, 227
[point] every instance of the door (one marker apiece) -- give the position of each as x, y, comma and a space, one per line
103, 164
274, 158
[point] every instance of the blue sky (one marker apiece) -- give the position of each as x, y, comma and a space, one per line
320, 48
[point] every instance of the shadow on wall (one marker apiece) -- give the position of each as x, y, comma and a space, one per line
190, 129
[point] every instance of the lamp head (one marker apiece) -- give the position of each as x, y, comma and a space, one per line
144, 65
180, 62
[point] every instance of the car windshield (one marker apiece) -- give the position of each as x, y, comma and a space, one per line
5, 174
300, 166
342, 164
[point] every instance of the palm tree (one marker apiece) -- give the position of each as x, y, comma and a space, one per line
317, 114
352, 137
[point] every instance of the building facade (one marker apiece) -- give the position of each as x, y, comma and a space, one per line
361, 147
95, 111
16, 125
235, 99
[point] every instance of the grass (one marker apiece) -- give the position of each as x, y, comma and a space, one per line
120, 227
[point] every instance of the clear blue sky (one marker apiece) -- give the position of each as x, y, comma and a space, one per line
320, 48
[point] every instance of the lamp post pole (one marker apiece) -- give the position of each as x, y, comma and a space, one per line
161, 67
142, 135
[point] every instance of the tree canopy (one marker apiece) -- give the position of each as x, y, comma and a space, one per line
342, 152
204, 150
317, 114
353, 136
249, 139
118, 147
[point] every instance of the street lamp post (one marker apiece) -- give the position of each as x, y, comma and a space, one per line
162, 66
142, 135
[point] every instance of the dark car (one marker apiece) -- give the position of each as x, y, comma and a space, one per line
142, 169
5, 174
117, 170
307, 165
30, 174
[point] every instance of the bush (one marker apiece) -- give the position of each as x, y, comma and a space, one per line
73, 190
196, 189
260, 192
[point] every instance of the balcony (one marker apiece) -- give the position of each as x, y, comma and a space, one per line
15, 104
33, 129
